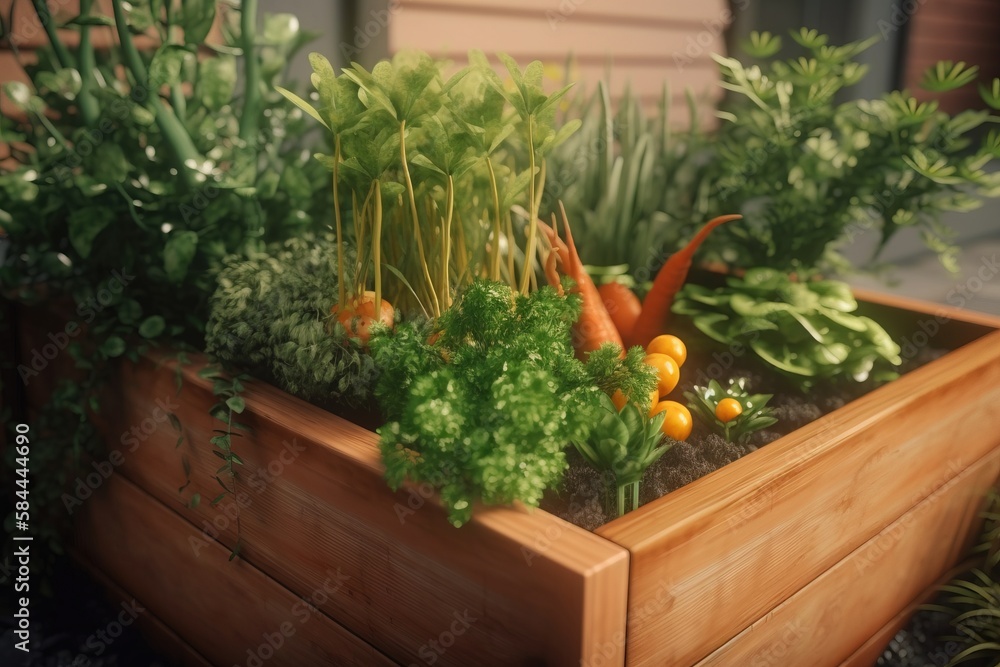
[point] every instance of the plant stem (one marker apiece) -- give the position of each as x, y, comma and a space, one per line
529, 249
88, 105
177, 100
336, 216
377, 248
510, 254
446, 245
495, 260
63, 55
416, 219
172, 129
251, 67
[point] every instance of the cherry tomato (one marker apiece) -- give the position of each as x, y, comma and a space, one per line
677, 424
728, 409
672, 346
619, 400
359, 316
667, 370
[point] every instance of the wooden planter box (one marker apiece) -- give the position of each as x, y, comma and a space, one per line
804, 552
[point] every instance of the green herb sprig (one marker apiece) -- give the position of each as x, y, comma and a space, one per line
483, 405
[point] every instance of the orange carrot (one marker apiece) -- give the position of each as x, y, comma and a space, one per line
656, 306
594, 326
622, 305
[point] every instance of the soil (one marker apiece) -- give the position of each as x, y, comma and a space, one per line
581, 500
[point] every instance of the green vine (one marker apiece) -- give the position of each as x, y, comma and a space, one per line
230, 402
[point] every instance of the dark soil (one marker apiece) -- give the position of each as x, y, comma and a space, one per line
75, 626
582, 497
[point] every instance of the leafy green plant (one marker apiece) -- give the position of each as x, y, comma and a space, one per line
133, 174
756, 415
271, 314
629, 374
806, 171
431, 205
483, 405
622, 445
807, 331
632, 187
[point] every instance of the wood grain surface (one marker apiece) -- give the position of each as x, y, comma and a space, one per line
702, 564
228, 611
822, 623
513, 587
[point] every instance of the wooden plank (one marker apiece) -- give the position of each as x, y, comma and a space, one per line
539, 589
822, 623
868, 653
228, 611
445, 31
154, 631
662, 11
905, 316
790, 511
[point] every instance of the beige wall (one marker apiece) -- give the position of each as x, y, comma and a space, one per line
645, 42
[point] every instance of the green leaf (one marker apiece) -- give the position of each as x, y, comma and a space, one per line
302, 104
165, 67
91, 20
236, 404
178, 253
947, 75
109, 164
761, 44
195, 501
991, 95
216, 81
152, 326
196, 18
84, 226
113, 347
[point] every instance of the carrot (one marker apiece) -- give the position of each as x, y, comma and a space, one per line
622, 305
656, 306
594, 327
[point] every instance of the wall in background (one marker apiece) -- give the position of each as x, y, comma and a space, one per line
641, 42
966, 30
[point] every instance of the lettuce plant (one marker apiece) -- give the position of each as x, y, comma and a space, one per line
807, 331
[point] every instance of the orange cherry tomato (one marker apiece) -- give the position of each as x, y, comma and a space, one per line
672, 346
667, 370
677, 424
728, 409
619, 400
359, 316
